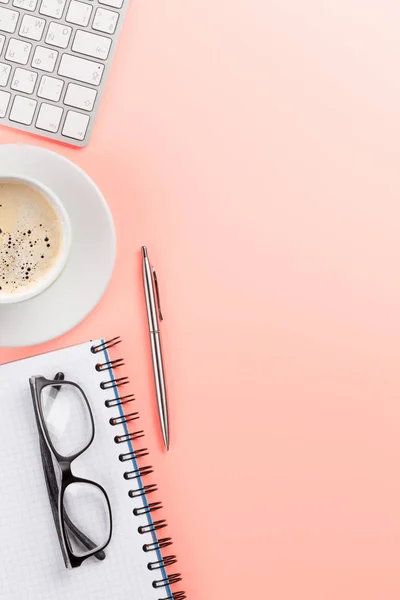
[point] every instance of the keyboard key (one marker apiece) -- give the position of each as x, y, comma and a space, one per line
105, 20
8, 20
22, 110
4, 1
44, 59
24, 80
5, 71
79, 13
18, 51
80, 69
50, 88
58, 35
2, 40
25, 4
112, 3
49, 117
4, 100
52, 8
75, 125
80, 96
32, 28
91, 44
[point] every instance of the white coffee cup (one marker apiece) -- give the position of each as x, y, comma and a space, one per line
65, 242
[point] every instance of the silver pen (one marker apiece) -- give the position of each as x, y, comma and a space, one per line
154, 315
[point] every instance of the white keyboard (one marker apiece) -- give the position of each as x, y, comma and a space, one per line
54, 60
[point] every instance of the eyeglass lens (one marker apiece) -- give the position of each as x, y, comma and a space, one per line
87, 508
66, 416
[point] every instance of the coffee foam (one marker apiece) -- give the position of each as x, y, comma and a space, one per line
30, 238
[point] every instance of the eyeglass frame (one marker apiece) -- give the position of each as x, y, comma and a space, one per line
37, 384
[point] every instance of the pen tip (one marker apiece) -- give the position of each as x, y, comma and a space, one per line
166, 440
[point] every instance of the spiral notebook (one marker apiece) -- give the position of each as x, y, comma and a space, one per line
31, 563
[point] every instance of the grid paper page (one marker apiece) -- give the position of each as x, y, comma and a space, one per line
31, 564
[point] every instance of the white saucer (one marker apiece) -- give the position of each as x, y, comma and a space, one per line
84, 280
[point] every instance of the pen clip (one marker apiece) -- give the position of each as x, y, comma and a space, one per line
157, 293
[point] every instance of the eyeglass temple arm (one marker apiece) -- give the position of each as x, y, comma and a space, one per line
53, 502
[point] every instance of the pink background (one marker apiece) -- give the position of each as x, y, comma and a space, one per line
253, 145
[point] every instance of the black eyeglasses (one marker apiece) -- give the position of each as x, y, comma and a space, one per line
80, 507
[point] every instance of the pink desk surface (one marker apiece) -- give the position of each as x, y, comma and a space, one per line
254, 147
